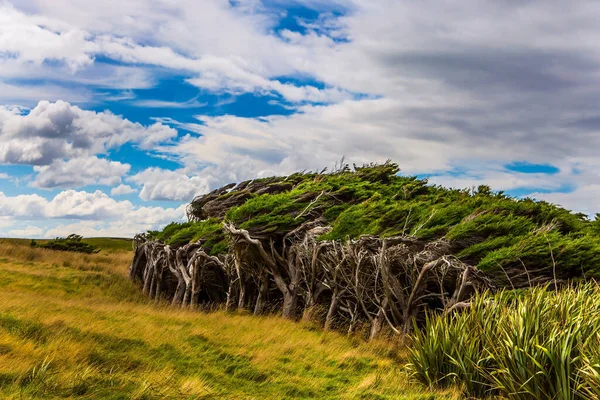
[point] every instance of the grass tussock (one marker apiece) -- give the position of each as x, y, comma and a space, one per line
73, 326
537, 344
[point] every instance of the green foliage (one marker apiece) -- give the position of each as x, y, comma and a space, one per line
378, 172
487, 229
177, 234
72, 242
538, 344
270, 213
568, 255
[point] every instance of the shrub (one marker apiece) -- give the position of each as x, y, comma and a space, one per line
538, 344
486, 229
72, 242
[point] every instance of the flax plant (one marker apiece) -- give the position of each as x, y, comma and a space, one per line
539, 344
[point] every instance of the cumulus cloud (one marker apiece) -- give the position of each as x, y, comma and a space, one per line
444, 86
53, 131
66, 204
160, 184
28, 232
95, 214
364, 131
22, 35
126, 228
78, 172
185, 42
122, 190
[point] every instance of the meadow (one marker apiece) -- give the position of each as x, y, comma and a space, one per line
74, 326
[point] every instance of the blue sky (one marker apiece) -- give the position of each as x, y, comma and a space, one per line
114, 116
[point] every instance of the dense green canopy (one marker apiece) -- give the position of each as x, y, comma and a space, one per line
501, 235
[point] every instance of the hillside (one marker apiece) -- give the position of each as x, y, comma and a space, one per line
74, 326
360, 245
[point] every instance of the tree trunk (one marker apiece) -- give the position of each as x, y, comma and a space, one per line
262, 294
290, 302
147, 280
242, 291
242, 296
229, 304
152, 282
158, 288
377, 323
333, 306
179, 293
194, 298
186, 296
194, 285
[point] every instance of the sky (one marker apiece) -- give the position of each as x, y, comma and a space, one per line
115, 114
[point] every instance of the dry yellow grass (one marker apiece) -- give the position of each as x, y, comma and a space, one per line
73, 325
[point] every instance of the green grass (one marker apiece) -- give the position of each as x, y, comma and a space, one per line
74, 326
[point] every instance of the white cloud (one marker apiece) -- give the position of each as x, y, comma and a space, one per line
185, 41
78, 172
192, 103
501, 179
66, 204
160, 184
22, 205
122, 190
88, 214
29, 95
4, 175
6, 221
364, 131
585, 199
59, 130
128, 224
21, 35
28, 232
463, 86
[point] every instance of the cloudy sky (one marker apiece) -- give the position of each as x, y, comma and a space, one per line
114, 114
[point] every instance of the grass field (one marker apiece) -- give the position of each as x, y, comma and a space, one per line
73, 326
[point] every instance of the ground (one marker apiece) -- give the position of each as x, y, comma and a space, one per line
74, 326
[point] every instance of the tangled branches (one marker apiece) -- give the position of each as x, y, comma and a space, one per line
370, 281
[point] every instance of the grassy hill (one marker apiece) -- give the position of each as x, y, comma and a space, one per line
74, 326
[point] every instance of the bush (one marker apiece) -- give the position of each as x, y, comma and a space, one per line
72, 242
486, 229
537, 344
